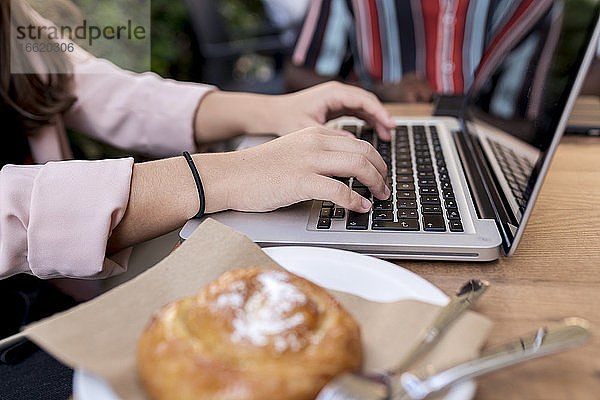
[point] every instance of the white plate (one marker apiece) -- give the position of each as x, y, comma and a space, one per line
368, 277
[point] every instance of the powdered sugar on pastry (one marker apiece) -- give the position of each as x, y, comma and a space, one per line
265, 313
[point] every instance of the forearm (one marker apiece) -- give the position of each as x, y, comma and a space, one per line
222, 115
163, 196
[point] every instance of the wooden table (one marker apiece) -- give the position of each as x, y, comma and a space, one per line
555, 273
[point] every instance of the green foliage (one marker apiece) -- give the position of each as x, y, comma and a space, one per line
172, 40
241, 17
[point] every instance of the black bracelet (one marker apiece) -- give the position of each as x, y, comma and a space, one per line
190, 162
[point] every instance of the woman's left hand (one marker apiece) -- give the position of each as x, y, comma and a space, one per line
222, 115
317, 105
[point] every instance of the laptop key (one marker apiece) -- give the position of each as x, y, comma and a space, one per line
357, 221
324, 223
446, 185
427, 182
407, 213
428, 190
406, 204
326, 212
382, 205
448, 194
453, 213
350, 128
430, 199
406, 194
434, 223
401, 225
404, 178
338, 213
367, 134
383, 216
456, 226
405, 186
401, 129
432, 210
450, 203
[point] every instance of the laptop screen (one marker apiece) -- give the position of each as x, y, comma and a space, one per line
520, 92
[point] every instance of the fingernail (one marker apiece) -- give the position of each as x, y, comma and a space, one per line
387, 192
366, 204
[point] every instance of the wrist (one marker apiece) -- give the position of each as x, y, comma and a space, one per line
213, 173
222, 115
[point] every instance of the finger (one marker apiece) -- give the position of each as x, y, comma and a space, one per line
356, 165
329, 189
355, 100
383, 131
354, 145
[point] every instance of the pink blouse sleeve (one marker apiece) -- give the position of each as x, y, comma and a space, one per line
139, 112
55, 219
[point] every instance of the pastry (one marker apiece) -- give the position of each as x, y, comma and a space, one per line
255, 333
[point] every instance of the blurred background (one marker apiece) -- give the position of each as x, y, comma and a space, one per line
238, 45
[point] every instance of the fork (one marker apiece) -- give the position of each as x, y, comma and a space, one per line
466, 296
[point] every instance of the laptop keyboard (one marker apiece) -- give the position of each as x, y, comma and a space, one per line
422, 195
516, 169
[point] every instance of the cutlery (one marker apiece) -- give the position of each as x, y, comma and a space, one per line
466, 296
566, 334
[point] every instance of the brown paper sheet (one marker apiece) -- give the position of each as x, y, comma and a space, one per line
100, 336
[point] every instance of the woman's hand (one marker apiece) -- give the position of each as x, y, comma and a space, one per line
222, 115
284, 171
317, 105
412, 88
290, 169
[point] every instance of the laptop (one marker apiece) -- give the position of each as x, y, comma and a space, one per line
462, 188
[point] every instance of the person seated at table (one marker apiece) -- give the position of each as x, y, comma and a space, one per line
80, 218
405, 51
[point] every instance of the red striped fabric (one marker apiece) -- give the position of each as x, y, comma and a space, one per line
376, 59
509, 26
457, 53
431, 12
439, 44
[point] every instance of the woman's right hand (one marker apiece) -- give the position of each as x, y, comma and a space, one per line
290, 169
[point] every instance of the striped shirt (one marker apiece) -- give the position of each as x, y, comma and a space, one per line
382, 40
